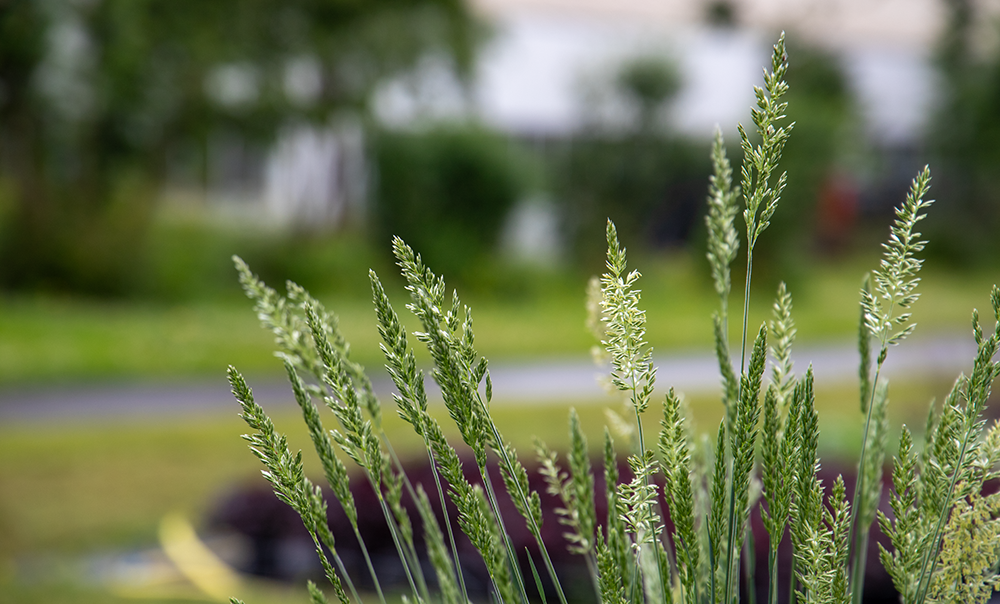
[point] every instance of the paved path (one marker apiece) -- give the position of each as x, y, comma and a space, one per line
554, 381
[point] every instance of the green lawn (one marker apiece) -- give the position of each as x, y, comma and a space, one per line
45, 339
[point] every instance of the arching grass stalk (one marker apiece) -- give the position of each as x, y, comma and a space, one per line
454, 372
516, 481
283, 316
411, 399
287, 476
437, 551
310, 341
359, 442
336, 473
460, 372
455, 559
895, 283
395, 483
412, 404
407, 562
474, 515
511, 554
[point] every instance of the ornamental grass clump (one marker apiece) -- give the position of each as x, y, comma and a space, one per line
677, 528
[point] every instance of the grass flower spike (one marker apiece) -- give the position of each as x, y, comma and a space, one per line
690, 541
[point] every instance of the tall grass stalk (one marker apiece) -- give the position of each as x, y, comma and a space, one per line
943, 530
761, 200
632, 371
895, 284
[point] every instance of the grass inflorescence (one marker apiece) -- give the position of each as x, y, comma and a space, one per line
677, 526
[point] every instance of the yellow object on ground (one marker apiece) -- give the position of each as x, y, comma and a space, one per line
195, 561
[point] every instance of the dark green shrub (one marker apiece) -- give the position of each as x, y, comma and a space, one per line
963, 139
651, 186
72, 241
448, 191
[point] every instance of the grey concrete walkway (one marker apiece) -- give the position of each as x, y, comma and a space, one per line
549, 380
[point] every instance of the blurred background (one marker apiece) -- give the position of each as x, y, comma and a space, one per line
144, 142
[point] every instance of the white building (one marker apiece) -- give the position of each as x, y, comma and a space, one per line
540, 72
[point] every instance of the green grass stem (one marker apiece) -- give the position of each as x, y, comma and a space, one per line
515, 567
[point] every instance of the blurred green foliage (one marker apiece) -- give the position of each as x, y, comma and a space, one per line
648, 83
100, 100
963, 140
446, 191
651, 186
192, 260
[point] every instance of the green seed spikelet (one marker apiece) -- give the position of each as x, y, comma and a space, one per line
943, 532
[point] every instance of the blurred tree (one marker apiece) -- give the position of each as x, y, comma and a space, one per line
652, 186
99, 98
963, 138
633, 171
648, 83
447, 191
